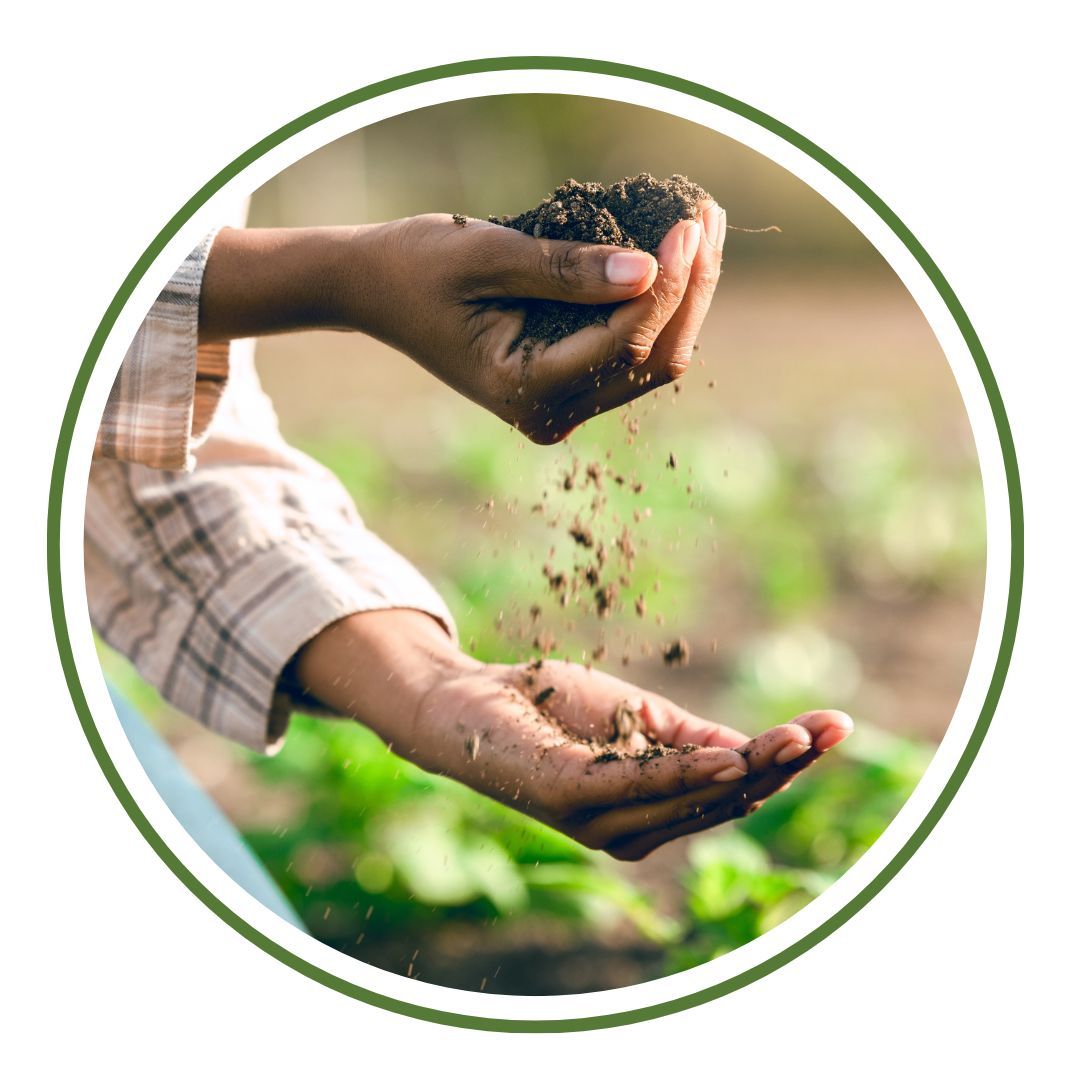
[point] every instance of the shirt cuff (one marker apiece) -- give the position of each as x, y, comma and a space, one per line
168, 387
229, 659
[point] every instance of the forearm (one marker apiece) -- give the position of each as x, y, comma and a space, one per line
378, 666
271, 281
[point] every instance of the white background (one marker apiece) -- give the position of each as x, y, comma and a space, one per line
961, 122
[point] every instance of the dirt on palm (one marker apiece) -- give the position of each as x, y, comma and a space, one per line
635, 212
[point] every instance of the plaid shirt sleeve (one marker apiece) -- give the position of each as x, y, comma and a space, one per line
210, 579
163, 400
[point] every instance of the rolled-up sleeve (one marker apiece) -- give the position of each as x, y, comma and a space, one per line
214, 551
211, 581
164, 397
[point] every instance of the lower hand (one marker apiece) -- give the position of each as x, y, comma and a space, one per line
543, 739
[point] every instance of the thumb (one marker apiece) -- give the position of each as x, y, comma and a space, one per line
511, 264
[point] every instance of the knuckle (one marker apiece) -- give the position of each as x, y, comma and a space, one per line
670, 289
562, 264
707, 278
634, 350
675, 368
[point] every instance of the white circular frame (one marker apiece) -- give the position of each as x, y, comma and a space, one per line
945, 761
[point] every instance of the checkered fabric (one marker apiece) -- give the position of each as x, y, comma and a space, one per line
213, 549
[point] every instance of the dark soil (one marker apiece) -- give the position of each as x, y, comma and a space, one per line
635, 212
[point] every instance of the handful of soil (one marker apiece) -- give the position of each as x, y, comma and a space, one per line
635, 212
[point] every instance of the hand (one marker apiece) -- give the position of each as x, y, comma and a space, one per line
540, 739
446, 295
544, 739
449, 296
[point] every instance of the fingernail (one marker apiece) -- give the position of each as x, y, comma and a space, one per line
791, 752
713, 217
691, 239
828, 739
627, 267
732, 772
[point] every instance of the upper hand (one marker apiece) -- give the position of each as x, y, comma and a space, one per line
445, 294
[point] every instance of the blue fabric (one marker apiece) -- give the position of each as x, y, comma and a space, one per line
199, 814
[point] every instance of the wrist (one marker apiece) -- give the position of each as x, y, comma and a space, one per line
271, 281
364, 294
378, 666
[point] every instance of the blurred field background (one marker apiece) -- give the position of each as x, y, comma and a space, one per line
830, 552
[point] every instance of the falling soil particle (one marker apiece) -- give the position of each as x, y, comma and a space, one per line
581, 534
544, 695
677, 654
556, 579
672, 461
606, 596
635, 212
626, 721
472, 746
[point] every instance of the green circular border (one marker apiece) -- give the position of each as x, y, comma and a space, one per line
547, 63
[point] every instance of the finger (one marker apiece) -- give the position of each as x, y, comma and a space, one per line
827, 727
637, 847
570, 373
610, 361
765, 776
673, 349
639, 322
644, 776
673, 726
718, 805
585, 701
623, 822
505, 263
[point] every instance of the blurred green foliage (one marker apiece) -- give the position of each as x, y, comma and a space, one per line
379, 833
863, 508
375, 848
384, 848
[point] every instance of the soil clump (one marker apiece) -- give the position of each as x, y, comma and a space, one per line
636, 212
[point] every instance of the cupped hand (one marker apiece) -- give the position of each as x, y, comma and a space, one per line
616, 768
449, 295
